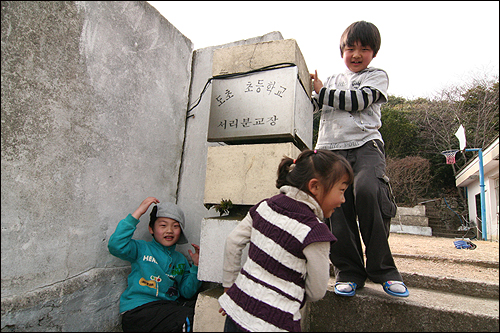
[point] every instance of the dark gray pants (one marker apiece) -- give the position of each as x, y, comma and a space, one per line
369, 201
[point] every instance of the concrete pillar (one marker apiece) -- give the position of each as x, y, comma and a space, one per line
262, 116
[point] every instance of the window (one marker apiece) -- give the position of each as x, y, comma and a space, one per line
478, 212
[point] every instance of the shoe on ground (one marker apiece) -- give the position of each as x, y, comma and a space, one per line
345, 288
396, 288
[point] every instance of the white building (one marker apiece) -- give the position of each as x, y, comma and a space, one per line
468, 177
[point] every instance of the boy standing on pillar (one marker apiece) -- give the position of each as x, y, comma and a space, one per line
349, 125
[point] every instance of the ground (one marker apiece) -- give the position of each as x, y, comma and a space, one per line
438, 256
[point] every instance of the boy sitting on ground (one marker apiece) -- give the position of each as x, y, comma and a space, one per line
161, 281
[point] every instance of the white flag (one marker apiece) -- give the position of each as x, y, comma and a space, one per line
460, 134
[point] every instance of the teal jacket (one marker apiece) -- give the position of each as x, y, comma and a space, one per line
158, 272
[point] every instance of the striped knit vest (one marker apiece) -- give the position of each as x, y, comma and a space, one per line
270, 288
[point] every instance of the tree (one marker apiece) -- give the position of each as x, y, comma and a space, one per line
409, 178
474, 105
399, 133
479, 108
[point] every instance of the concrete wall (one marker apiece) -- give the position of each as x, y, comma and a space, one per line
94, 99
473, 190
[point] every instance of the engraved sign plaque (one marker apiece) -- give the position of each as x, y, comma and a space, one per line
266, 106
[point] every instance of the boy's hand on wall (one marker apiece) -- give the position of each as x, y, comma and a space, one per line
196, 255
143, 207
317, 84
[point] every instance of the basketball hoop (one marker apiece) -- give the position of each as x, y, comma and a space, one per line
450, 156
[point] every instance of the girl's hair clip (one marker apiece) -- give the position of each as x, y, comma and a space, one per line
315, 151
294, 161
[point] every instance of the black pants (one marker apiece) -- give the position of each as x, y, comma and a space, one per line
160, 316
231, 326
369, 201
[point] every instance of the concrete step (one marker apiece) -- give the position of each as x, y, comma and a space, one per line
450, 290
478, 289
435, 304
418, 271
424, 310
460, 276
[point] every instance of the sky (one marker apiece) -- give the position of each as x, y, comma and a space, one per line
427, 46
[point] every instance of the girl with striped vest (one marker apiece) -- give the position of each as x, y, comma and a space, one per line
289, 246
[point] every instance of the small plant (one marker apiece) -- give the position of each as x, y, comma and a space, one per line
224, 207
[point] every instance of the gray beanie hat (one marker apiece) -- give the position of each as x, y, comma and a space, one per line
171, 210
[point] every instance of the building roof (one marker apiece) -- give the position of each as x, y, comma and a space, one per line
470, 172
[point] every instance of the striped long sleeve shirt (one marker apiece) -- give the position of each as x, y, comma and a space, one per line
350, 104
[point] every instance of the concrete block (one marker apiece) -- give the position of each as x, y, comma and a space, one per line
411, 229
206, 313
213, 236
418, 210
243, 58
411, 220
245, 174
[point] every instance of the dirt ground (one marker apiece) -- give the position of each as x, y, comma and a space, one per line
439, 257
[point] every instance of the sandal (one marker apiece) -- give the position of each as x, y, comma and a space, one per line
346, 293
387, 285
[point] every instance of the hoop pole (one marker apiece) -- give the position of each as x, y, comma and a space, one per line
482, 195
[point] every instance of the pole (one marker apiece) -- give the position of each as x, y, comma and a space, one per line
482, 195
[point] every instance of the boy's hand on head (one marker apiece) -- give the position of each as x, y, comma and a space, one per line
143, 207
196, 255
317, 84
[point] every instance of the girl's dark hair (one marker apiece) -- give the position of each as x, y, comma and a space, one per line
152, 216
365, 33
325, 165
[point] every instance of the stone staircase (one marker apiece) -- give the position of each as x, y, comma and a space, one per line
434, 213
